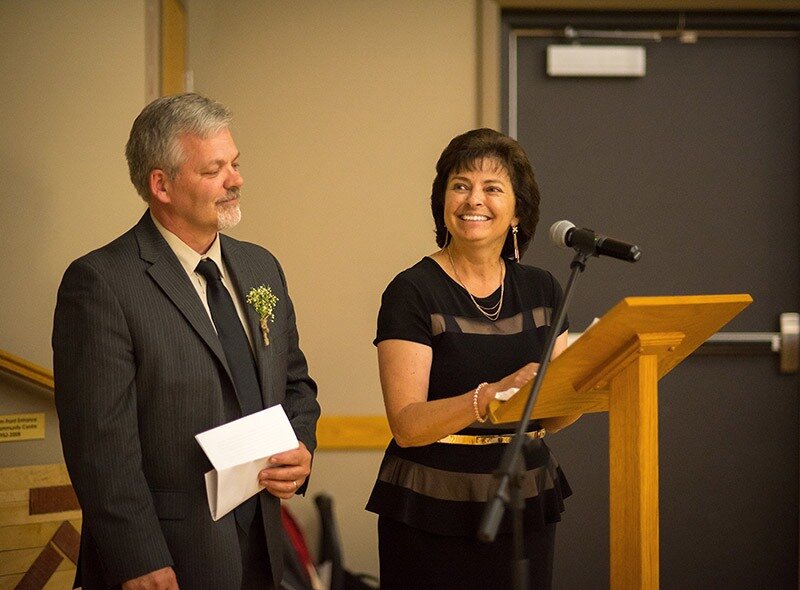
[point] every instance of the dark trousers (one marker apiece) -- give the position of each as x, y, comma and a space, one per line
412, 558
256, 571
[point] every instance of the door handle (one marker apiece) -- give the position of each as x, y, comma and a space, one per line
785, 343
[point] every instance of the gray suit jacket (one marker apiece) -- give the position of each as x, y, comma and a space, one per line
139, 371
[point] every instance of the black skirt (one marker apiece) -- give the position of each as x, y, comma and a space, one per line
411, 558
443, 488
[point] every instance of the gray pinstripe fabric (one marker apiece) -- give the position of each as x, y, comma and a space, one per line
138, 372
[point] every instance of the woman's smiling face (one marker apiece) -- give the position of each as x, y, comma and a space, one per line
479, 204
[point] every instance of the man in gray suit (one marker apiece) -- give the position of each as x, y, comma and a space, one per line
143, 361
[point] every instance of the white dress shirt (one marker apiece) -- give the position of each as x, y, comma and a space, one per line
189, 260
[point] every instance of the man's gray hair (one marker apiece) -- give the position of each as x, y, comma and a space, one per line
154, 139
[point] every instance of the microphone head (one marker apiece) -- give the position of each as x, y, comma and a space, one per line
558, 232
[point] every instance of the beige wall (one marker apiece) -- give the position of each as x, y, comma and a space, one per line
341, 110
73, 79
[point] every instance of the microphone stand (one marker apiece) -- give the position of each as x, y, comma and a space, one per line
511, 470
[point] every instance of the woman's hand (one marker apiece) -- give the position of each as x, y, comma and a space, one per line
525, 374
515, 380
520, 377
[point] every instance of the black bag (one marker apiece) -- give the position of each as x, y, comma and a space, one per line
360, 581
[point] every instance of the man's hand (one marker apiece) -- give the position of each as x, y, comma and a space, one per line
286, 472
163, 579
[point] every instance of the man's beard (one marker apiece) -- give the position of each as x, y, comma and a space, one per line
229, 216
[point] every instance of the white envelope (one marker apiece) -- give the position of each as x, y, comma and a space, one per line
238, 451
507, 394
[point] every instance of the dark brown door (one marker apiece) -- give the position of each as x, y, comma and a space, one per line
698, 163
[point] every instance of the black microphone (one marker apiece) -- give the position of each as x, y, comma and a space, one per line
564, 234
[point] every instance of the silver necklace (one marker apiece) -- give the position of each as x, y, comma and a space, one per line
492, 312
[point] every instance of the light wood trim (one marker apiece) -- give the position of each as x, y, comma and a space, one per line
489, 77
333, 432
353, 433
173, 47
152, 50
26, 370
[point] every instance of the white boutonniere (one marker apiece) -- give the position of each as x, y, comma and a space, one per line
263, 301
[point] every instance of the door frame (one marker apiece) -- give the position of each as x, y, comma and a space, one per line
490, 36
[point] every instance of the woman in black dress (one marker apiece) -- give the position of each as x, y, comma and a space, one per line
455, 329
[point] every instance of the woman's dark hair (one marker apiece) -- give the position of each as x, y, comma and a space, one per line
465, 152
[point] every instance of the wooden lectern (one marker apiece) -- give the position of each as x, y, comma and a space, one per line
614, 367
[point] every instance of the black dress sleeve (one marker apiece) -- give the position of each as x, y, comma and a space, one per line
402, 315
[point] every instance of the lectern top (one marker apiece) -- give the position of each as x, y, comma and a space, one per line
671, 327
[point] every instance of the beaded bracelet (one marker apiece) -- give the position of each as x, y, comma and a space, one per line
475, 402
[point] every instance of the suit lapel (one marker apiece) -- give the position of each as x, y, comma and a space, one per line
245, 276
167, 272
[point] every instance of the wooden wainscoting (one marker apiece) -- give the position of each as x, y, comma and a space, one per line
40, 524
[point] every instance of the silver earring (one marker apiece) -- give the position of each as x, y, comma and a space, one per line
516, 246
446, 238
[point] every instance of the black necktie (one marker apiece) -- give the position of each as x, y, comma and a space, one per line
239, 356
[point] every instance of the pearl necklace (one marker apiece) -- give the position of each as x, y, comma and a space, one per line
492, 312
